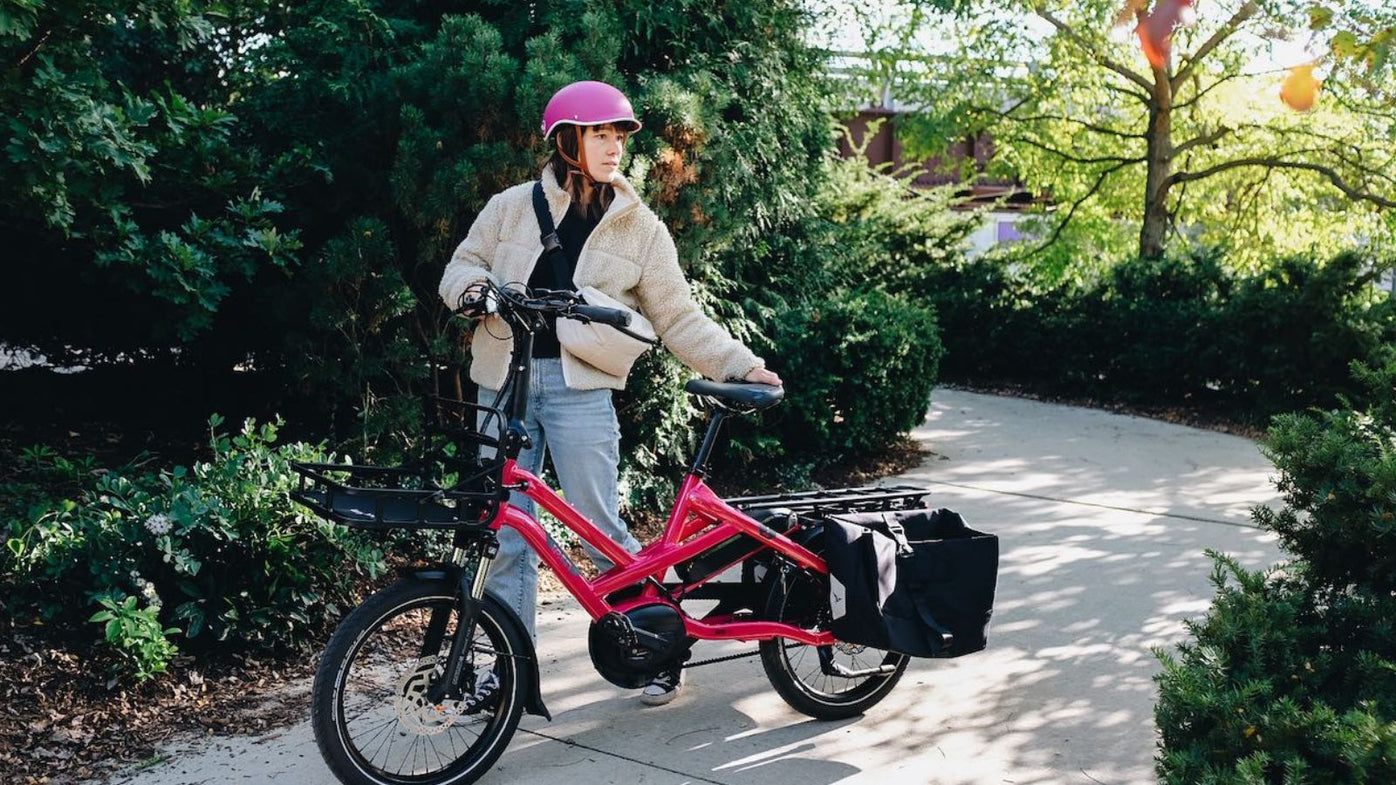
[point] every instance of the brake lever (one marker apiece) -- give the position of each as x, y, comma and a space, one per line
556, 296
640, 338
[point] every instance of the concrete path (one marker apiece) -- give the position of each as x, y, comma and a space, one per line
1103, 521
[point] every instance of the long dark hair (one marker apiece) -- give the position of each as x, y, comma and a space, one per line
589, 197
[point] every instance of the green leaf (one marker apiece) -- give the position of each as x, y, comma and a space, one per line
1345, 44
1320, 17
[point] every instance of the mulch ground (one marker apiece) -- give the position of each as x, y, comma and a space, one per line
63, 722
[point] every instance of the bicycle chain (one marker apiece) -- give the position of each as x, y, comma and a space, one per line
730, 657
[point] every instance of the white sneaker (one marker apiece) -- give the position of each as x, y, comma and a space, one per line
662, 688
486, 695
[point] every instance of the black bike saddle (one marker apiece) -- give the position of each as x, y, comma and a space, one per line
738, 395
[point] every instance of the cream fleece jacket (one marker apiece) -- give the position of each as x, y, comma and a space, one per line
629, 256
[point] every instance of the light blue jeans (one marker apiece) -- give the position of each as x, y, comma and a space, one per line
578, 429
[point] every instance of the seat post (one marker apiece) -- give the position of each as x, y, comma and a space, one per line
700, 460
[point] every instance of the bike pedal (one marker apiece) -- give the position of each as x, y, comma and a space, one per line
618, 628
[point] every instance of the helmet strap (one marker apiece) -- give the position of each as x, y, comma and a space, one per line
580, 162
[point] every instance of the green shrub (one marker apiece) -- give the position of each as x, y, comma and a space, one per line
997, 325
216, 551
1291, 675
1289, 333
1284, 683
1338, 478
861, 367
1153, 325
1168, 332
136, 634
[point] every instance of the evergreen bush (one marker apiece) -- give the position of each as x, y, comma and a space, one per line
1291, 675
1283, 682
1337, 474
862, 366
1171, 332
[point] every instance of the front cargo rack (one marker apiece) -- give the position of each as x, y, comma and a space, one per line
868, 498
452, 485
381, 497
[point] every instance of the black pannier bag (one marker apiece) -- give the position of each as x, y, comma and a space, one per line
919, 582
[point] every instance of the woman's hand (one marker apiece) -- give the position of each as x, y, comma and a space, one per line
764, 376
477, 302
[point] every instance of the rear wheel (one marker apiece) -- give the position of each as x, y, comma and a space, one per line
797, 670
374, 717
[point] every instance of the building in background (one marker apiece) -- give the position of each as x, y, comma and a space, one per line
1004, 202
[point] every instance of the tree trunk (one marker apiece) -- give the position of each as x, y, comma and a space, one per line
1159, 159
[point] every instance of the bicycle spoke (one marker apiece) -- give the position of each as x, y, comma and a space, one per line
385, 716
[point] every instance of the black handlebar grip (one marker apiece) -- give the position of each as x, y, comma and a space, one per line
611, 316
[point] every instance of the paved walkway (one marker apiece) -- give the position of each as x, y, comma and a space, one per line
1103, 520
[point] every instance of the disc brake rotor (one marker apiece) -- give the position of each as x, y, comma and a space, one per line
414, 711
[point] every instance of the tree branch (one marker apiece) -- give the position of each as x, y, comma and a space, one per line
1221, 80
1061, 225
1145, 99
1108, 159
1222, 33
1344, 149
1204, 139
35, 49
1096, 55
1332, 175
1092, 126
1251, 194
1178, 204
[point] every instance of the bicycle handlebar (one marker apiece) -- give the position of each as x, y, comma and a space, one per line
517, 304
596, 313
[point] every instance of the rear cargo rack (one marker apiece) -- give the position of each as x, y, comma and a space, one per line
868, 498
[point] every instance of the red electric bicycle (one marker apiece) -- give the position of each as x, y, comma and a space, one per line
394, 698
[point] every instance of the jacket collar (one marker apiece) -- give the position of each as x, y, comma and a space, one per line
559, 200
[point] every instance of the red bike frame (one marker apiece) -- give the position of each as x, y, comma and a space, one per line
696, 509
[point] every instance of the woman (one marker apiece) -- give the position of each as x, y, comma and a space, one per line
615, 243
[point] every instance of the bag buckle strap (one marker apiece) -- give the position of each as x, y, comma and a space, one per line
898, 535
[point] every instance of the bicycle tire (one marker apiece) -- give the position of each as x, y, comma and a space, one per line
800, 597
368, 688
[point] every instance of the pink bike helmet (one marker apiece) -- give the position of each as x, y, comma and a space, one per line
589, 103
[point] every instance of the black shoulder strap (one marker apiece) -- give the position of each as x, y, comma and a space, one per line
545, 219
552, 247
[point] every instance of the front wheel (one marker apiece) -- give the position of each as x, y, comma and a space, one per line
375, 716
797, 670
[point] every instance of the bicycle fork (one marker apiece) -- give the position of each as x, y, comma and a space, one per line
466, 571
471, 567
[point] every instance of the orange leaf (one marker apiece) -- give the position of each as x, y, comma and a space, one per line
1130, 12
1299, 92
1156, 29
